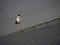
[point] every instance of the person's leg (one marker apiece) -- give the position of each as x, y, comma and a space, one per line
16, 22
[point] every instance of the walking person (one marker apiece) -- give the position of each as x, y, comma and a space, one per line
18, 19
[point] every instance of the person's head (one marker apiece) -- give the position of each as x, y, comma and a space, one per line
18, 14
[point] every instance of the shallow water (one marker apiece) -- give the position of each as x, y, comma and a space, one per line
33, 12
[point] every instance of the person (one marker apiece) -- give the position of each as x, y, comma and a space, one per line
18, 19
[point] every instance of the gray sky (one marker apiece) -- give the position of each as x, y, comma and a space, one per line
33, 12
